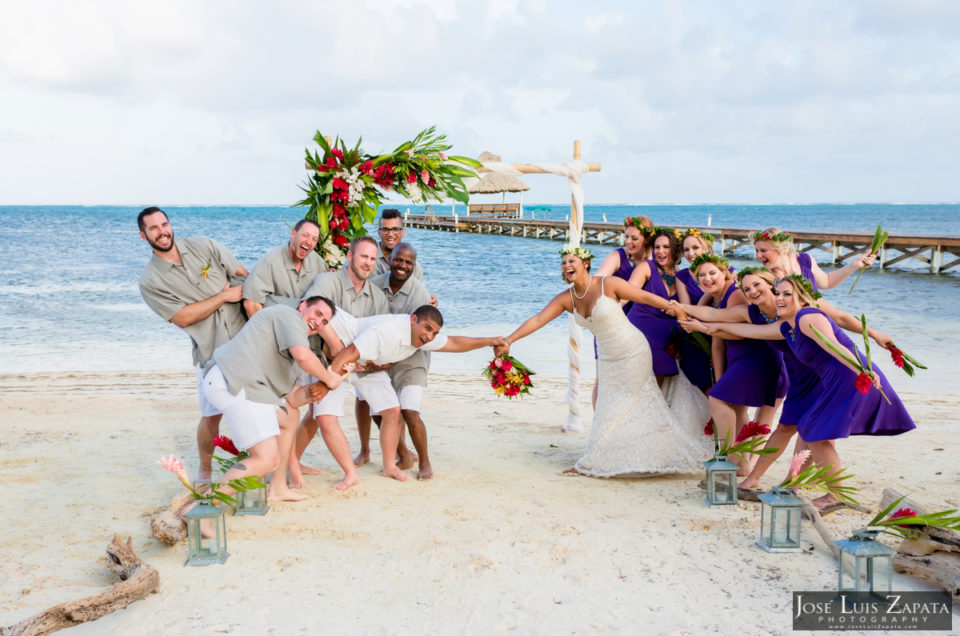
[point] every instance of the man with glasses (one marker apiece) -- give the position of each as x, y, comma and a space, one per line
391, 232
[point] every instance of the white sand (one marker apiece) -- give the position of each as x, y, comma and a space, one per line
498, 541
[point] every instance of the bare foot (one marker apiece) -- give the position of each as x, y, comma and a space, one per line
426, 472
307, 470
347, 482
296, 482
749, 484
395, 472
362, 458
277, 493
825, 501
407, 461
571, 471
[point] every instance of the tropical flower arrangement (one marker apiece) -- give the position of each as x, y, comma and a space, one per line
508, 376
347, 185
879, 238
864, 367
214, 495
909, 524
749, 440
226, 444
824, 479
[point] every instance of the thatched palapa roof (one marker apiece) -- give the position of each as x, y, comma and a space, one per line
491, 182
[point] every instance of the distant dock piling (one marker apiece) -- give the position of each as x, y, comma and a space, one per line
939, 253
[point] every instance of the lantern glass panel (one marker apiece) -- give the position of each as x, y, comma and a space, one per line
252, 502
721, 481
865, 564
780, 521
206, 550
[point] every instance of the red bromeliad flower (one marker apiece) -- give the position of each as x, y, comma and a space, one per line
341, 240
897, 356
340, 184
336, 152
224, 442
864, 383
366, 167
412, 177
708, 429
751, 429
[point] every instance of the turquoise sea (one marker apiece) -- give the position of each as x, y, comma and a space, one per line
69, 299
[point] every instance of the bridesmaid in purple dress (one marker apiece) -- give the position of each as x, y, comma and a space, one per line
838, 408
621, 263
775, 251
658, 276
749, 373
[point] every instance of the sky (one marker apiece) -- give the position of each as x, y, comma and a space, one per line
213, 102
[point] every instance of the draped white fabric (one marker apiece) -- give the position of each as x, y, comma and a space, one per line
573, 171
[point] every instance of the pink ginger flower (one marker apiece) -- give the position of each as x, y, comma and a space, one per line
425, 176
798, 461
443, 157
410, 153
175, 466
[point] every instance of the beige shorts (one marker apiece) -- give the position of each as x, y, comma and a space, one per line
373, 388
250, 422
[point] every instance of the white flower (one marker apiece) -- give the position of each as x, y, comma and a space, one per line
414, 191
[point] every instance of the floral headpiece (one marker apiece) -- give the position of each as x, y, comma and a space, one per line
695, 232
779, 237
746, 271
719, 261
637, 222
803, 282
581, 253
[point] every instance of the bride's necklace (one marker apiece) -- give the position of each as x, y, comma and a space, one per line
580, 297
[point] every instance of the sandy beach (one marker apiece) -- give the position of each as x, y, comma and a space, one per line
498, 541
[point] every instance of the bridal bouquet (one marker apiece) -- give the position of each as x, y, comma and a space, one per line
508, 376
346, 185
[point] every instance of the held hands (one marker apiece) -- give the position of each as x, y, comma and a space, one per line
501, 346
676, 309
691, 325
232, 294
334, 380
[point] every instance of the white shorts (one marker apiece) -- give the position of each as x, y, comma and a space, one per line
373, 388
249, 422
410, 397
206, 409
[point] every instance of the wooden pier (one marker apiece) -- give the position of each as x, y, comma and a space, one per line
939, 253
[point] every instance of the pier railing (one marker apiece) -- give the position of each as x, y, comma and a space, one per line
939, 253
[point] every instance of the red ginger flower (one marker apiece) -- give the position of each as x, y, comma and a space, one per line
708, 429
331, 162
366, 167
412, 177
341, 240
897, 356
864, 383
224, 442
340, 184
902, 513
752, 429
336, 152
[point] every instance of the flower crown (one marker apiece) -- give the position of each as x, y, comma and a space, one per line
779, 237
752, 270
637, 222
803, 282
579, 252
719, 261
695, 232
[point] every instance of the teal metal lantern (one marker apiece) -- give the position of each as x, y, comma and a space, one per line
865, 564
252, 501
203, 550
780, 512
721, 481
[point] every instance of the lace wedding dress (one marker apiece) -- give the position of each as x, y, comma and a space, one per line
639, 430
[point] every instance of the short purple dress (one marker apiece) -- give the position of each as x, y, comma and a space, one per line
754, 373
806, 269
803, 383
840, 409
694, 361
624, 272
660, 330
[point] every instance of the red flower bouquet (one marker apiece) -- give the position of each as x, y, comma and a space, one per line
508, 376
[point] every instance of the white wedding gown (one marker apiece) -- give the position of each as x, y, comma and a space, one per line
639, 430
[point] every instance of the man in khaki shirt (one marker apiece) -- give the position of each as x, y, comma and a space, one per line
405, 294
284, 273
351, 291
189, 282
391, 232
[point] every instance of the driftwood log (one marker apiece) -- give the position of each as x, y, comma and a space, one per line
935, 558
168, 526
137, 580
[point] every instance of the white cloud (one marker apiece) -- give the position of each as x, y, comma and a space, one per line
681, 101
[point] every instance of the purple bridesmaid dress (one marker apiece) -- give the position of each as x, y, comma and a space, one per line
660, 330
754, 373
840, 410
806, 269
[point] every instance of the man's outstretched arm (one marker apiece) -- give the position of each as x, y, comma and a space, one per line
459, 344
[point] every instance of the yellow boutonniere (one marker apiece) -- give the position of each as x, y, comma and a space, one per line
205, 271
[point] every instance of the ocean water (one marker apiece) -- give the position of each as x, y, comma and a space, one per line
69, 297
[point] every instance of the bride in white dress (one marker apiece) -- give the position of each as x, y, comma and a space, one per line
638, 428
